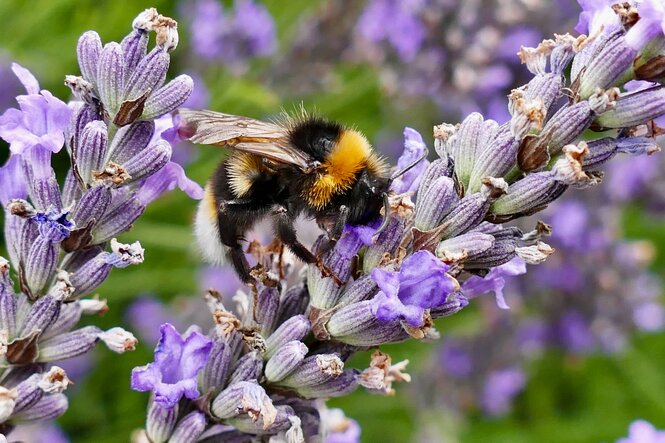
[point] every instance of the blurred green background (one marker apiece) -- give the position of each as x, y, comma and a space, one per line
568, 399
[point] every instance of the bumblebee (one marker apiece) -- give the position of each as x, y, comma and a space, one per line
305, 165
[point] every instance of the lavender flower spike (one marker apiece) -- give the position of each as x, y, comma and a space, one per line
287, 345
61, 240
178, 360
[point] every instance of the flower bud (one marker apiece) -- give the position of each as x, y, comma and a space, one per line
245, 398
464, 247
612, 59
340, 386
48, 407
293, 303
110, 77
218, 367
70, 344
169, 97
189, 428
43, 313
285, 360
635, 108
528, 195
496, 159
148, 76
247, 424
148, 161
356, 325
247, 368
89, 50
131, 140
91, 206
89, 154
465, 147
435, 203
160, 422
27, 393
295, 328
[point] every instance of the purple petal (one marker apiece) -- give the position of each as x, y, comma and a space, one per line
423, 280
501, 388
168, 352
353, 238
26, 78
494, 281
574, 332
387, 308
145, 378
166, 179
195, 354
253, 22
641, 431
168, 395
387, 281
414, 148
58, 114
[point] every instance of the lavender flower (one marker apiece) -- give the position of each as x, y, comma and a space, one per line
421, 283
61, 240
40, 121
177, 362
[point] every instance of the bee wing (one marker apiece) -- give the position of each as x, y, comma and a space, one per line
242, 134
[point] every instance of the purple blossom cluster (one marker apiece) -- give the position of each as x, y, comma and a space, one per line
282, 346
61, 240
234, 36
592, 295
458, 55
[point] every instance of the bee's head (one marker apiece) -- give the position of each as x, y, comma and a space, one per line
366, 198
379, 189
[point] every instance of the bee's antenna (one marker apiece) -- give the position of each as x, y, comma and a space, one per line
386, 215
409, 167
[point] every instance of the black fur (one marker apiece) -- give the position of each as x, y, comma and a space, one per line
315, 137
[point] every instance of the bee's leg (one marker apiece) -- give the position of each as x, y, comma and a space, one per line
237, 257
233, 219
336, 231
285, 231
235, 205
